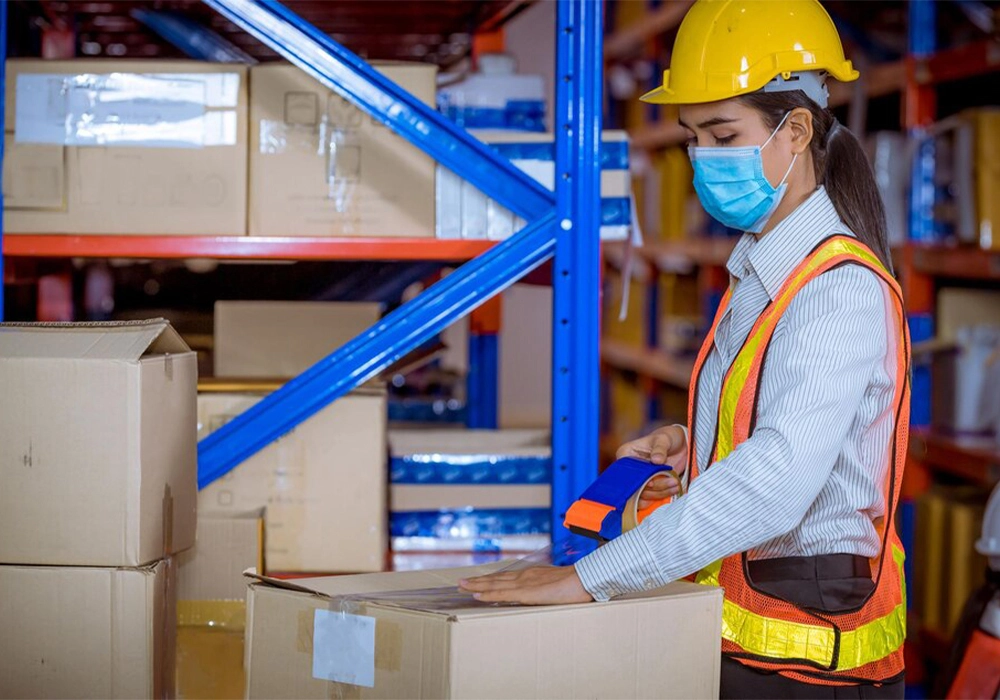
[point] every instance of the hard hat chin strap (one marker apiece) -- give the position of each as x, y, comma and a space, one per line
811, 82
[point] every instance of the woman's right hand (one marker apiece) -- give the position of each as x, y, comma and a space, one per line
667, 445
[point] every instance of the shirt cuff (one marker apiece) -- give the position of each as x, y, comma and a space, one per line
623, 565
686, 476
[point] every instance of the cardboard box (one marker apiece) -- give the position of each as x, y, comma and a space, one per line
210, 649
85, 632
98, 443
526, 357
415, 636
125, 147
284, 338
227, 544
319, 166
323, 484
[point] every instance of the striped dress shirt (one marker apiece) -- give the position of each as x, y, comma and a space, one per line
809, 480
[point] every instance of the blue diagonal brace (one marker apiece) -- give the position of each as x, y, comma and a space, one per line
364, 357
355, 80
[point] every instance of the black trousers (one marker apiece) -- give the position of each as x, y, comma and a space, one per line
831, 583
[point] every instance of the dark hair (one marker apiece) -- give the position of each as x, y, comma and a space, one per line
841, 166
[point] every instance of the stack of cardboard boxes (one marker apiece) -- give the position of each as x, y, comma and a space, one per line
98, 465
195, 148
323, 484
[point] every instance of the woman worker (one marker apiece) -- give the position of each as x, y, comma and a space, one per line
799, 399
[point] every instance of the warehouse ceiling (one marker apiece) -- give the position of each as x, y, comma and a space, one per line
437, 30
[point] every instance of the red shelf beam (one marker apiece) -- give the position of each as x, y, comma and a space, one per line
976, 459
240, 247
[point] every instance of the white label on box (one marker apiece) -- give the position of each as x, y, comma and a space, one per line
344, 648
157, 110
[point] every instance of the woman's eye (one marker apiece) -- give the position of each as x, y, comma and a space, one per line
724, 140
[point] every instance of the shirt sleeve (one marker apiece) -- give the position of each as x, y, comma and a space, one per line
823, 354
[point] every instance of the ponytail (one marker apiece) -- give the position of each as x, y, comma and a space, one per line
841, 166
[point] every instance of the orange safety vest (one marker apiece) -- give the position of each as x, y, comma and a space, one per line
759, 630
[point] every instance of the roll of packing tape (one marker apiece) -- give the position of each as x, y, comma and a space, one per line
610, 506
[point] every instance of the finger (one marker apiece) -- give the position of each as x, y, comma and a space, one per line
660, 483
489, 584
636, 448
661, 448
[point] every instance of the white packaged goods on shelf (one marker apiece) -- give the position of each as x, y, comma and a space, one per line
414, 634
989, 544
470, 490
959, 388
495, 101
463, 211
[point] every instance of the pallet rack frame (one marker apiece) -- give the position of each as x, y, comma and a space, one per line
564, 226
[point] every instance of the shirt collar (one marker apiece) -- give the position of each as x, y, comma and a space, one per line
777, 254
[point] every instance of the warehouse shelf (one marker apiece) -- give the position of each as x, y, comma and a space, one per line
647, 362
968, 61
976, 459
241, 247
956, 262
676, 256
628, 40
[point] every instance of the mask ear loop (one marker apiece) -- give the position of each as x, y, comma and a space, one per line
794, 155
776, 130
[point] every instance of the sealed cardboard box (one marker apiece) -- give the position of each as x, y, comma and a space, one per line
125, 147
85, 632
319, 166
227, 544
323, 484
98, 443
280, 339
413, 635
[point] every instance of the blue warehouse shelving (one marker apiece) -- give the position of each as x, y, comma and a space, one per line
563, 227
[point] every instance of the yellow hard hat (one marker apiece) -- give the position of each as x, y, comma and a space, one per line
726, 48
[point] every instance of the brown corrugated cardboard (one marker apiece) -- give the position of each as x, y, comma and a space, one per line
210, 649
321, 167
85, 632
98, 443
282, 338
526, 357
438, 643
323, 484
227, 544
417, 497
87, 175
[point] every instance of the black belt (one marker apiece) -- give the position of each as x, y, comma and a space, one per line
819, 568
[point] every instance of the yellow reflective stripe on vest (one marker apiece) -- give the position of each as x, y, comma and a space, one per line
781, 640
740, 371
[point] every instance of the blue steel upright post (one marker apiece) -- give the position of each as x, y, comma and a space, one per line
576, 274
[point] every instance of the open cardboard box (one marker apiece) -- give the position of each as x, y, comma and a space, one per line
414, 635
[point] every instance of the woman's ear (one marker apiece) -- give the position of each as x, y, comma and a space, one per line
800, 127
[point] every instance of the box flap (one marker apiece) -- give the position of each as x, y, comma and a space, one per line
436, 592
116, 340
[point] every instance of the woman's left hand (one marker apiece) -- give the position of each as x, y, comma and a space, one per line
539, 585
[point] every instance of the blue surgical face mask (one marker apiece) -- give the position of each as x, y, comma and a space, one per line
731, 185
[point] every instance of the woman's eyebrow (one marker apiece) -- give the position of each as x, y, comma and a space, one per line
715, 121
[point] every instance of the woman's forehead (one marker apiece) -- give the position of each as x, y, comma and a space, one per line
713, 113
